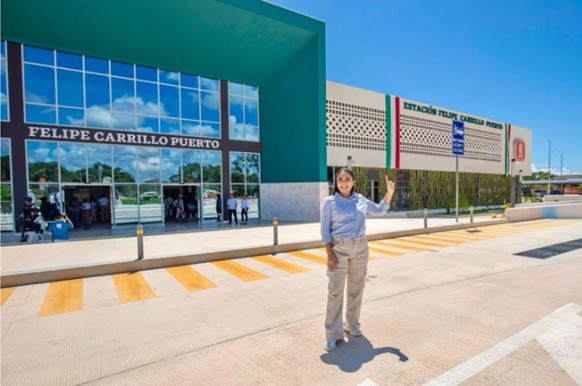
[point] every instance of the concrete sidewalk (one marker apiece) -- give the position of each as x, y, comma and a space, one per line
27, 264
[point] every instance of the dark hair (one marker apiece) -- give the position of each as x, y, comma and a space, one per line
342, 170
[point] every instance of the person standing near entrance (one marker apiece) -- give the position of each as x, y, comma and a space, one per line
75, 209
231, 204
86, 212
343, 232
218, 206
104, 208
244, 210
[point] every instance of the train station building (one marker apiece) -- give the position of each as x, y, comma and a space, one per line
212, 97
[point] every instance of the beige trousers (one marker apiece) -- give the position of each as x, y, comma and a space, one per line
352, 255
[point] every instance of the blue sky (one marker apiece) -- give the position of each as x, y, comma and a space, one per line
516, 61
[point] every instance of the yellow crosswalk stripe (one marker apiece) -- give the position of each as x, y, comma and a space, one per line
239, 270
63, 296
475, 236
6, 293
385, 251
280, 264
190, 279
415, 240
132, 287
399, 245
436, 237
308, 256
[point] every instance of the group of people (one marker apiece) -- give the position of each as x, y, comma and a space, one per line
35, 221
176, 208
232, 205
89, 211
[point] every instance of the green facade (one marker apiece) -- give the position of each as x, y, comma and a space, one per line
244, 41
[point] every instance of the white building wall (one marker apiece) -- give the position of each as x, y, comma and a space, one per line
356, 126
293, 201
426, 140
522, 168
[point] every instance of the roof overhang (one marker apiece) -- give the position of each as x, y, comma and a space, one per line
239, 40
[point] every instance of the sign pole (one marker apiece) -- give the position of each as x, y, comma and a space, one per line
457, 191
458, 142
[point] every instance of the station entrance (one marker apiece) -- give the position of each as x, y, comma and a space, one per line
100, 213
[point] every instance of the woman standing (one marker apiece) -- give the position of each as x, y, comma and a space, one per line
343, 231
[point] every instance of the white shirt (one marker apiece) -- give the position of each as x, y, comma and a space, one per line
231, 203
245, 203
103, 201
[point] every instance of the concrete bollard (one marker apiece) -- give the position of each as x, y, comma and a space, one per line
471, 209
275, 231
139, 234
425, 217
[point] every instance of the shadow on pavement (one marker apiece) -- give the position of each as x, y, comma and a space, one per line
351, 355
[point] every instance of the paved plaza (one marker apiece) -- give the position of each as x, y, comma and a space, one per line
456, 306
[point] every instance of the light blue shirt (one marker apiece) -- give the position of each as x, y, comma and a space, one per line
346, 217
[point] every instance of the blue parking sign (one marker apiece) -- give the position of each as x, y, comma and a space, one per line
458, 138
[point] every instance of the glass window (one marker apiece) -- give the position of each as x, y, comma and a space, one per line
125, 204
235, 89
237, 167
147, 98
97, 92
125, 163
210, 106
122, 69
170, 126
191, 128
4, 111
122, 95
169, 101
190, 104
5, 164
191, 161
252, 168
150, 201
96, 65
251, 112
40, 114
6, 206
71, 61
39, 84
171, 166
73, 162
210, 130
147, 124
208, 84
149, 164
146, 73
99, 118
211, 166
189, 81
38, 55
71, 117
123, 121
236, 117
70, 88
42, 161
99, 163
251, 91
169, 77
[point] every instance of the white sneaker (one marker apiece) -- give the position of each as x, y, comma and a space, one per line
354, 331
330, 345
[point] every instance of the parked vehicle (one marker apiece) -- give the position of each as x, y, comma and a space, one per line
555, 191
541, 193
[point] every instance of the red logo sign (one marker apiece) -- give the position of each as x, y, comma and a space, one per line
519, 150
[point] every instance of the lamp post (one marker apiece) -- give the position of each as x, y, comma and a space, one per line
513, 183
350, 162
549, 164
561, 163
